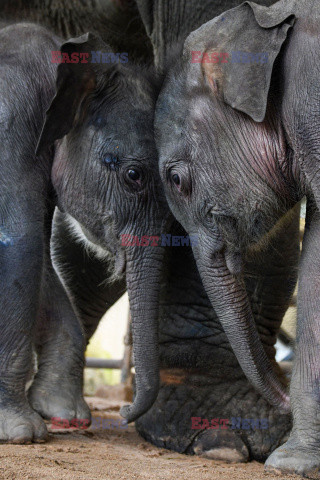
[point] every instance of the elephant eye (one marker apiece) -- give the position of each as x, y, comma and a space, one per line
176, 179
134, 176
180, 180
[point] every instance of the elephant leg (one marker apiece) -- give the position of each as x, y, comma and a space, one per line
57, 389
21, 263
271, 278
200, 375
63, 335
301, 453
88, 279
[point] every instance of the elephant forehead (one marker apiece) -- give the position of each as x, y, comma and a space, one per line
172, 107
170, 115
172, 146
170, 134
106, 136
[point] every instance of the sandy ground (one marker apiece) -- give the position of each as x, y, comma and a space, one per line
113, 454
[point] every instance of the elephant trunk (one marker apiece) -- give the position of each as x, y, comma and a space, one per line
144, 265
229, 298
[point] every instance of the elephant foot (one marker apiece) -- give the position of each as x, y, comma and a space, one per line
215, 416
220, 445
20, 424
63, 401
295, 458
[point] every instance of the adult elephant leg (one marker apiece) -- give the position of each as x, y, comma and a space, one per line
200, 375
301, 453
21, 261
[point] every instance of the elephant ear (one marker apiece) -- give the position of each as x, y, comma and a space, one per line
251, 28
75, 81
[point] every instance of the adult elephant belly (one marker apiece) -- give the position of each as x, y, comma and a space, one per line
200, 375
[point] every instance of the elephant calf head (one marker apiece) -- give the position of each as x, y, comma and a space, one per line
105, 174
223, 162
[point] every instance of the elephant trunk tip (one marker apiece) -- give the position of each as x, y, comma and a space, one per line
127, 414
142, 403
130, 413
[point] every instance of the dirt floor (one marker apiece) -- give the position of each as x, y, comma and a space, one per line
109, 453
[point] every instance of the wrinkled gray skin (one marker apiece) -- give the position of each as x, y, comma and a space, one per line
117, 22
200, 375
93, 174
168, 23
191, 338
56, 391
237, 152
29, 287
103, 201
90, 308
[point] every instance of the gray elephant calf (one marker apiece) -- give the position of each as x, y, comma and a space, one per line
106, 185
238, 129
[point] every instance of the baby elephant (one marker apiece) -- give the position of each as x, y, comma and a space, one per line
237, 128
103, 175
